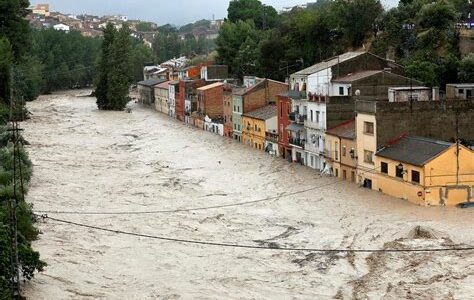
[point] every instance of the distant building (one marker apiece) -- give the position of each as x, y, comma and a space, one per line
210, 100
460, 91
162, 97
415, 93
215, 72
61, 27
146, 91
41, 10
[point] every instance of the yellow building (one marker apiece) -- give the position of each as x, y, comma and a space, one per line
425, 171
340, 152
256, 123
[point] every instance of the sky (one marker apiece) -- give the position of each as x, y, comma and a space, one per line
176, 12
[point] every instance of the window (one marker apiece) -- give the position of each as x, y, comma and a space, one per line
317, 117
415, 176
384, 167
341, 91
234, 108
461, 91
399, 171
281, 111
368, 128
344, 150
368, 157
256, 127
336, 150
311, 115
344, 174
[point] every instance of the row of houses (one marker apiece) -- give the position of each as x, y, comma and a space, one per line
354, 116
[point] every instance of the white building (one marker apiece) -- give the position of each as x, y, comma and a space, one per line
173, 88
62, 27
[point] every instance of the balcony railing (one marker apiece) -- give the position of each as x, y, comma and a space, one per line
270, 136
297, 142
297, 118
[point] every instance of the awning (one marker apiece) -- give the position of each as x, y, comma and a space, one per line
295, 127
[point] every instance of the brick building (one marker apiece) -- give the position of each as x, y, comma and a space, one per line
227, 110
248, 99
210, 100
283, 119
186, 93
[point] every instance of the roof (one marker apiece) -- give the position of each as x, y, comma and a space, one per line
344, 130
329, 63
408, 88
264, 113
164, 85
244, 91
357, 76
210, 86
151, 82
414, 150
463, 85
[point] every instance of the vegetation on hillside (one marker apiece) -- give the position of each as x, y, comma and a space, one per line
420, 34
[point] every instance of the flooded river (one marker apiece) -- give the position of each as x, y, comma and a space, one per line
122, 167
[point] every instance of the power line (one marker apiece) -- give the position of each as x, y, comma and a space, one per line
255, 247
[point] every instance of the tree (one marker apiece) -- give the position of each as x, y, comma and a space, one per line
120, 75
6, 60
263, 16
105, 66
424, 71
466, 69
14, 26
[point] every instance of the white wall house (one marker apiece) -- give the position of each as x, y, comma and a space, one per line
62, 27
172, 101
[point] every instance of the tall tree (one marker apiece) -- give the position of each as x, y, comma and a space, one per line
120, 75
6, 60
104, 69
14, 26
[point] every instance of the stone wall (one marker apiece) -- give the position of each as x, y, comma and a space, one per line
339, 110
433, 119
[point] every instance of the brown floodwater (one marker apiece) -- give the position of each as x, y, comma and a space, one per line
87, 160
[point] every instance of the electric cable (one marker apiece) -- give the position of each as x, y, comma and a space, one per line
256, 247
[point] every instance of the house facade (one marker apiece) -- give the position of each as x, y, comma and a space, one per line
248, 99
460, 91
341, 151
211, 100
228, 111
146, 91
162, 97
425, 171
255, 125
173, 91
283, 110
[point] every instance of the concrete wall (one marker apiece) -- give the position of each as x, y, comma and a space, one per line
433, 119
376, 87
339, 110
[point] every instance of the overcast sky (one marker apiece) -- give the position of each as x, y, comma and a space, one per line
177, 12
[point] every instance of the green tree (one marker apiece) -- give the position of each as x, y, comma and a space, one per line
466, 69
263, 16
6, 60
120, 75
424, 71
14, 26
104, 68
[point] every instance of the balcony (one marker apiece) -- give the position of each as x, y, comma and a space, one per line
297, 118
317, 98
271, 136
297, 142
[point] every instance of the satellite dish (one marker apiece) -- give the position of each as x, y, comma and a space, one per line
357, 92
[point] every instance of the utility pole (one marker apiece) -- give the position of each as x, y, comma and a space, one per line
13, 203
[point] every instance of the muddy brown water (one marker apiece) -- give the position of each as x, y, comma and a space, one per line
86, 160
